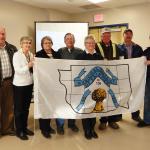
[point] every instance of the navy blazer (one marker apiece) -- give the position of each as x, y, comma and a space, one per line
147, 54
137, 51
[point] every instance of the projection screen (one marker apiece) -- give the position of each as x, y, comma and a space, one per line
57, 31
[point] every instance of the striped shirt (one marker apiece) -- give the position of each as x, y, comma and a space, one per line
129, 50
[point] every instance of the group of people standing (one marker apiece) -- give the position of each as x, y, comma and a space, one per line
17, 67
16, 84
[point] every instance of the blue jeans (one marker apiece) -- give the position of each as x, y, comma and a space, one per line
60, 122
147, 102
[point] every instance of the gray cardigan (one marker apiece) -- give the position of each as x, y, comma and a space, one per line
65, 54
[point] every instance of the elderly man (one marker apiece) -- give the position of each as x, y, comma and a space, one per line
6, 90
109, 51
68, 52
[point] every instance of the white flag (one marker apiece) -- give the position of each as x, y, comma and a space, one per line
87, 88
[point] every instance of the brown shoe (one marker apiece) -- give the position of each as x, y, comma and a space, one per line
74, 128
10, 133
102, 126
114, 125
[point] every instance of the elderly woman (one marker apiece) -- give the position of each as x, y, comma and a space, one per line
89, 54
46, 52
23, 85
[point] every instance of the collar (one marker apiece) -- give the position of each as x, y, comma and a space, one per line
3, 47
70, 49
109, 44
90, 53
20, 50
132, 44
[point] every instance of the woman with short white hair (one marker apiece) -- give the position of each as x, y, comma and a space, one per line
89, 54
23, 86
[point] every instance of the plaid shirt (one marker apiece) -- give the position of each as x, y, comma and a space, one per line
5, 63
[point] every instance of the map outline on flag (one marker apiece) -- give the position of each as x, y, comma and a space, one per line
103, 94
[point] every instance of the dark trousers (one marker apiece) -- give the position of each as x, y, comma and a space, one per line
109, 119
22, 100
88, 124
45, 125
147, 102
71, 122
135, 114
60, 122
6, 107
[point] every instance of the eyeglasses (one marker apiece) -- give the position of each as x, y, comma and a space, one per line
91, 43
47, 43
27, 42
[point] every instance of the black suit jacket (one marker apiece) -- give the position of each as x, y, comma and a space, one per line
42, 54
147, 54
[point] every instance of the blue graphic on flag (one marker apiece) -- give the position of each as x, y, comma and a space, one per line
96, 88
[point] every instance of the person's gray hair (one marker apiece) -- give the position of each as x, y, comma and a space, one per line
27, 38
70, 35
91, 37
46, 38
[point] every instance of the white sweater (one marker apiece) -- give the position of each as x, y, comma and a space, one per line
22, 76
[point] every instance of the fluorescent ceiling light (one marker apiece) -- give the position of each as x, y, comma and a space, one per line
97, 1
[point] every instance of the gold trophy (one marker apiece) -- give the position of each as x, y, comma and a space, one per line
98, 95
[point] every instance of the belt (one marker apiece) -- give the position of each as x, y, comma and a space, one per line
8, 78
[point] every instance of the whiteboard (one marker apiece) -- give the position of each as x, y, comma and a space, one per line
57, 31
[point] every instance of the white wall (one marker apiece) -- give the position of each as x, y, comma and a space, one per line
58, 16
19, 19
137, 16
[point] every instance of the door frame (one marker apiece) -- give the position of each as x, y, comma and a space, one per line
110, 26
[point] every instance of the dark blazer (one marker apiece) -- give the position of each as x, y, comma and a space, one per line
85, 56
147, 54
42, 54
136, 51
11, 49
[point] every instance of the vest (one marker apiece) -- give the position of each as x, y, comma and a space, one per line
102, 51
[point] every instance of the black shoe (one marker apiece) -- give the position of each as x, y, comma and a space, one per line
52, 131
46, 134
137, 119
22, 136
88, 135
74, 128
60, 130
142, 124
94, 134
29, 132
